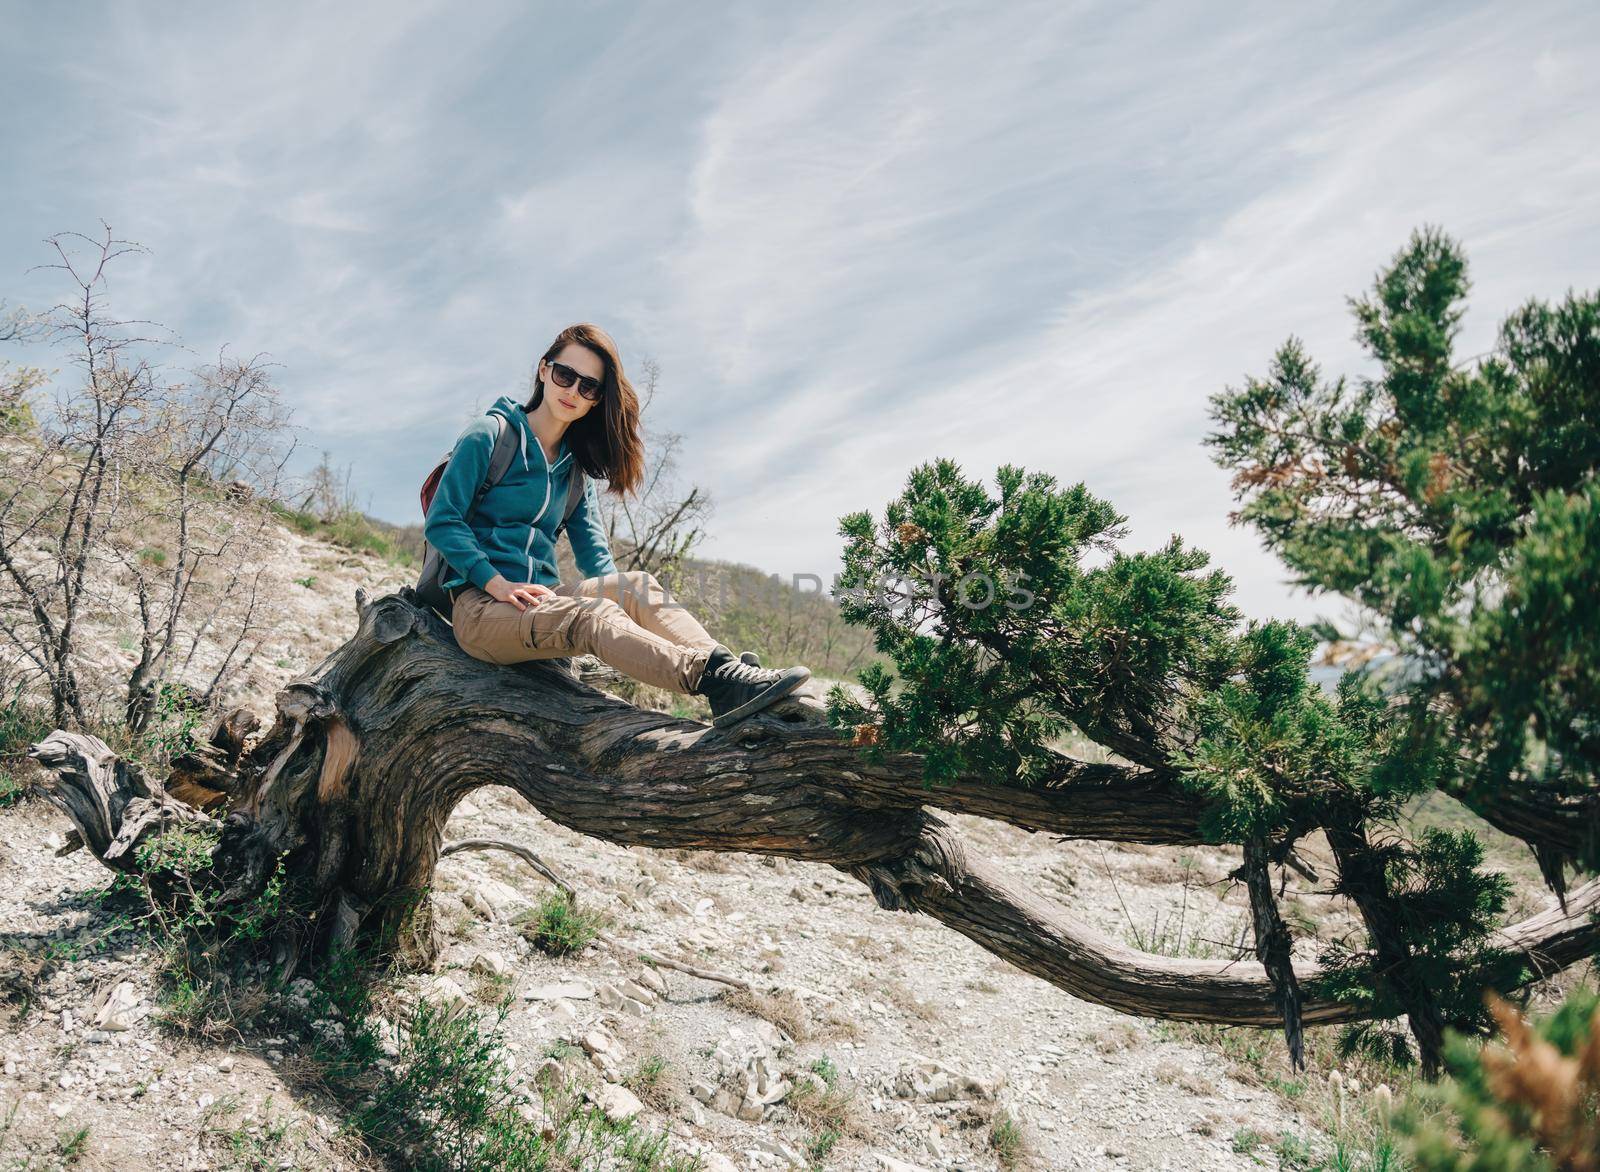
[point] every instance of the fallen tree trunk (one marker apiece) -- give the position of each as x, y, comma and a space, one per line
372, 750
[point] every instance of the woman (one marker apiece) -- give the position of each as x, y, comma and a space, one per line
507, 601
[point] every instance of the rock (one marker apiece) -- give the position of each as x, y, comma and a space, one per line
654, 981
695, 1113
887, 1163
716, 1162
489, 964
576, 989
668, 902
225, 1064
783, 1151
449, 994
934, 1082
597, 1041
813, 1082
775, 1092
563, 1012
120, 1010
619, 1103
703, 1091
638, 992
493, 900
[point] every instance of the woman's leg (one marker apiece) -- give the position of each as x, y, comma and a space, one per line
573, 624
648, 603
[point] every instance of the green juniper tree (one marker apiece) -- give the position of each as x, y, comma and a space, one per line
1455, 502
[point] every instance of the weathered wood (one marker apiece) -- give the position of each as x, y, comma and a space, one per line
522, 852
372, 750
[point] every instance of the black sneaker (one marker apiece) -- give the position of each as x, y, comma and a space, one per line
738, 689
750, 657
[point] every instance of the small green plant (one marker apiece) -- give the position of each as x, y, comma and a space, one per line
1005, 1139
207, 947
825, 1110
71, 1145
308, 582
12, 788
822, 1143
21, 724
1294, 1152
446, 1104
559, 927
647, 1076
1246, 1140
178, 717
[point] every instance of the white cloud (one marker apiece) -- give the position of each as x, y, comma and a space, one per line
856, 237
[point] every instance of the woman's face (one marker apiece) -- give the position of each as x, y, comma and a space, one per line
565, 403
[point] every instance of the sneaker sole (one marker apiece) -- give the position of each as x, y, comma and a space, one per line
761, 700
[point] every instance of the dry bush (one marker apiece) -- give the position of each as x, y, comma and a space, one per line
137, 498
783, 1009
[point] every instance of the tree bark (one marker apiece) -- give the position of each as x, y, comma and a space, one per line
370, 752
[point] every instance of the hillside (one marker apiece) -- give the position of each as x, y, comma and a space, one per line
936, 1055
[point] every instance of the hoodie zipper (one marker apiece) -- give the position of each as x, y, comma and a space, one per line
527, 548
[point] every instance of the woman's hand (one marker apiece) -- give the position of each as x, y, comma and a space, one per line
521, 595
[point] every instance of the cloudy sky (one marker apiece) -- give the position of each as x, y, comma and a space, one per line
854, 236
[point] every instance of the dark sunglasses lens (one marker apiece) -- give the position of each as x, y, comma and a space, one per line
590, 390
563, 375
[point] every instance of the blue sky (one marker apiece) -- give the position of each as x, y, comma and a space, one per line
854, 236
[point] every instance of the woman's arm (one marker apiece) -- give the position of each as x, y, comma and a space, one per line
590, 548
446, 527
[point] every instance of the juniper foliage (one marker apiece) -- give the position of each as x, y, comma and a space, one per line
1455, 503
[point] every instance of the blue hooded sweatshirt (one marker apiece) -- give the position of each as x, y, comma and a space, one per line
513, 530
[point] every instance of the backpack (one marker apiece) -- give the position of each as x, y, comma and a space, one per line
429, 589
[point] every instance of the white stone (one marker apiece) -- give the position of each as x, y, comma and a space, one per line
781, 1150
618, 1103
638, 992
888, 1163
493, 900
489, 964
451, 995
120, 1010
576, 989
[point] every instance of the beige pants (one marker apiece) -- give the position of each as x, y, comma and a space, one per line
628, 620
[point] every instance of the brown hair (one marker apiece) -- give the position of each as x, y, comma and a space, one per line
605, 442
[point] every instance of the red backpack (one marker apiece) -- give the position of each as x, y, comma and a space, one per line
429, 588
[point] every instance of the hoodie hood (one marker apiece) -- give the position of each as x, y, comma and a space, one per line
512, 409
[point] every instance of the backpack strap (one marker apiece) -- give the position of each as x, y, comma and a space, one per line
575, 487
505, 450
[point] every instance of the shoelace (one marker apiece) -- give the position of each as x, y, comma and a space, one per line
736, 671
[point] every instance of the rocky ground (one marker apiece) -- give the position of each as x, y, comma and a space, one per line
936, 1040
932, 1035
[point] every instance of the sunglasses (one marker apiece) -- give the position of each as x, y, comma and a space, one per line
564, 376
